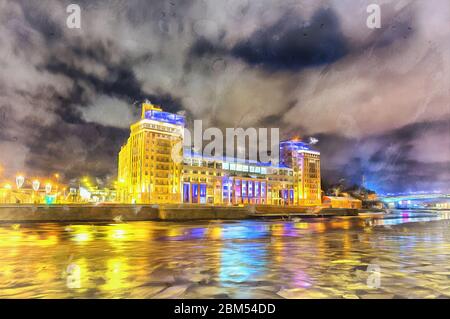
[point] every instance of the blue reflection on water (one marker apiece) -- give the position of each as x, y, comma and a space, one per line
246, 230
242, 262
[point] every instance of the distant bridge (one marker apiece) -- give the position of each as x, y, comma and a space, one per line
416, 200
413, 197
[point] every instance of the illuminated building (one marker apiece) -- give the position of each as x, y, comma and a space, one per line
342, 202
147, 172
305, 164
153, 168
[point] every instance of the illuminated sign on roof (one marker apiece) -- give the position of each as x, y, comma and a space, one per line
296, 145
165, 117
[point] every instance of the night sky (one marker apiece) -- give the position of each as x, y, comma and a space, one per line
377, 100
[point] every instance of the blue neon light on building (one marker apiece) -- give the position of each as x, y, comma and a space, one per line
295, 145
165, 117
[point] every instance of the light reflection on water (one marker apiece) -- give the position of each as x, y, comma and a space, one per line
312, 258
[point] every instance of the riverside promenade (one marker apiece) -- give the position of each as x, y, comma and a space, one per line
123, 212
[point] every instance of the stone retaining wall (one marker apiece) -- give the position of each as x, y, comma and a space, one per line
70, 213
118, 212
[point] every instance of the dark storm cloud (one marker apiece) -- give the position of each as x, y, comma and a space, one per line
95, 67
96, 157
37, 17
119, 80
204, 47
402, 138
291, 44
100, 143
389, 162
398, 29
275, 120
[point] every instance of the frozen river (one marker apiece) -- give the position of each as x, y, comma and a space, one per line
405, 255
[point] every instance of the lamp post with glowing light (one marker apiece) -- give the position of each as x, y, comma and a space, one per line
56, 175
48, 188
7, 198
35, 186
20, 180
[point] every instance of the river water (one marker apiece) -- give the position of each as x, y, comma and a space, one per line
405, 255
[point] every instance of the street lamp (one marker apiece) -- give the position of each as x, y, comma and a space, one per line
7, 195
19, 181
36, 185
48, 188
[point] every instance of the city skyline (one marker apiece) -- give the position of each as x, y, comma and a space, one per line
156, 166
377, 100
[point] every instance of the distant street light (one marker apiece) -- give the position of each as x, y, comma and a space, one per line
36, 185
7, 193
48, 188
19, 181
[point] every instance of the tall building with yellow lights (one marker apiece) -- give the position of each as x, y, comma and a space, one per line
153, 168
147, 172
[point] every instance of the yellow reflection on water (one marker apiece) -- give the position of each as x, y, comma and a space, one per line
13, 237
82, 233
347, 244
301, 225
117, 271
319, 227
118, 234
277, 229
126, 259
174, 232
215, 233
341, 224
81, 237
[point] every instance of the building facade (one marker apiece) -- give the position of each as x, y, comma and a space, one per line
342, 202
147, 171
154, 168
